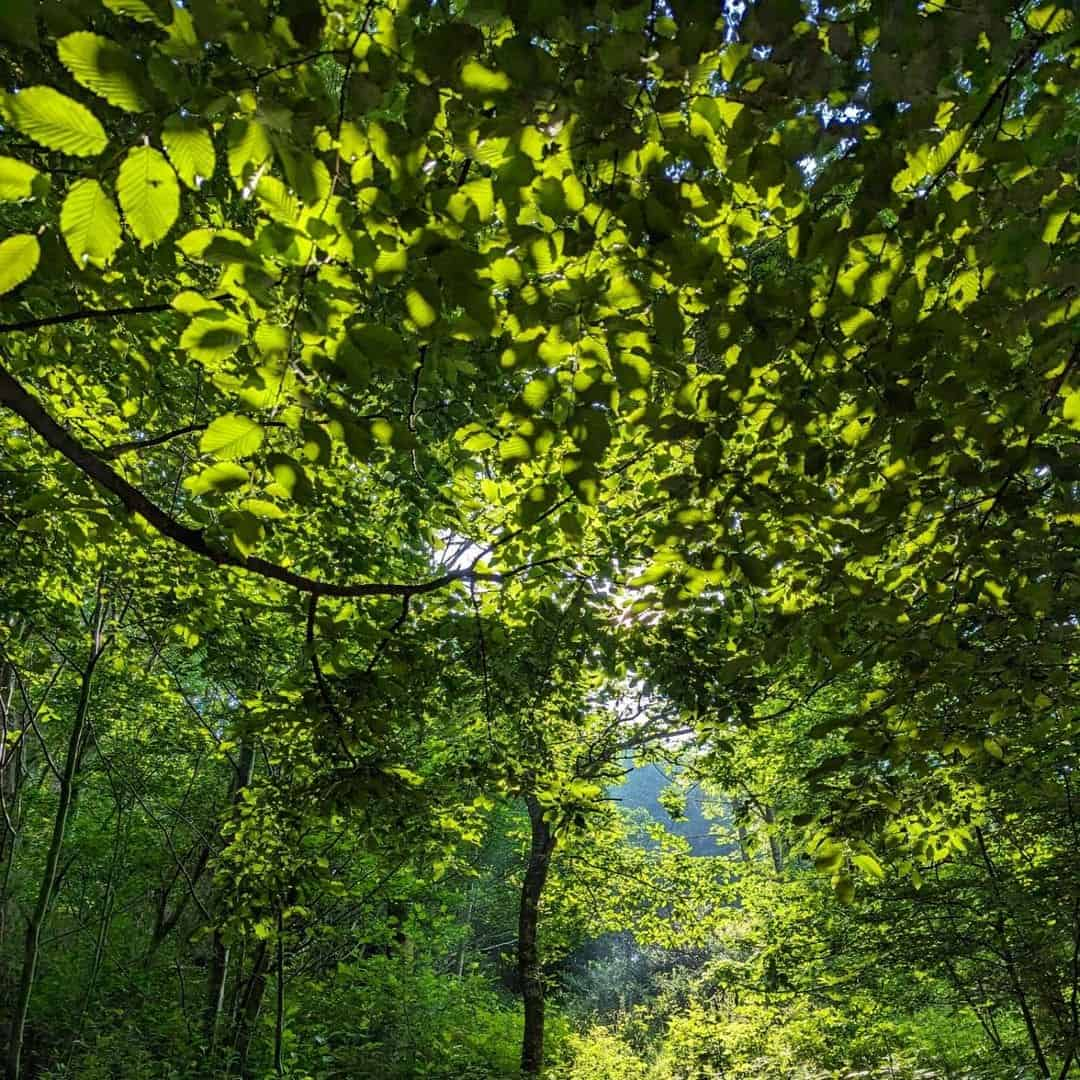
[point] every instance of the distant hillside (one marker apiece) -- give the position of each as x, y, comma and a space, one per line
641, 790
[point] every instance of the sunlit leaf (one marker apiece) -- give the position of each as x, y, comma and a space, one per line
19, 257
223, 477
149, 194
17, 179
90, 224
105, 68
56, 121
190, 150
232, 436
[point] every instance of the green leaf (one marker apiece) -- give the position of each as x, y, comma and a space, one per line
56, 121
730, 58
1050, 18
291, 481
505, 271
483, 80
212, 340
420, 309
190, 150
828, 857
245, 530
906, 303
869, 866
17, 180
225, 476
232, 436
536, 393
515, 448
857, 323
140, 10
1055, 221
1071, 410
249, 148
278, 201
149, 194
105, 68
476, 196
844, 888
317, 445
263, 508
940, 155
19, 257
89, 224
475, 439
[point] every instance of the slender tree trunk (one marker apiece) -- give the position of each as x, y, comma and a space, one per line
983, 1014
218, 972
216, 980
738, 810
252, 1003
10, 759
529, 973
1010, 962
776, 851
279, 1017
165, 921
12, 767
46, 890
1022, 1001
102, 934
468, 929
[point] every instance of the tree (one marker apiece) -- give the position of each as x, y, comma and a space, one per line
333, 333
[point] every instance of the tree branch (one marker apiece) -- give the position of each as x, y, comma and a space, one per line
84, 313
119, 449
16, 398
1019, 62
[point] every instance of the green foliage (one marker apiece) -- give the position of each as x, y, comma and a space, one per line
384, 1018
149, 194
90, 224
19, 255
55, 121
408, 412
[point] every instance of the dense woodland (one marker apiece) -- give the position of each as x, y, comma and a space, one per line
539, 537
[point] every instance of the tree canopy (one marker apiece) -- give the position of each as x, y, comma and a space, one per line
415, 418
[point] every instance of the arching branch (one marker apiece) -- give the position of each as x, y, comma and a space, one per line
83, 314
20, 401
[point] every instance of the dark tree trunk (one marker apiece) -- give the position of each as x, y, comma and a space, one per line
1019, 994
217, 977
776, 851
529, 974
68, 784
12, 768
251, 1004
218, 969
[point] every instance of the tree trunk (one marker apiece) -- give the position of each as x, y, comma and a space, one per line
103, 932
279, 1017
12, 767
1019, 994
462, 948
46, 890
218, 969
215, 997
529, 973
776, 851
251, 1004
